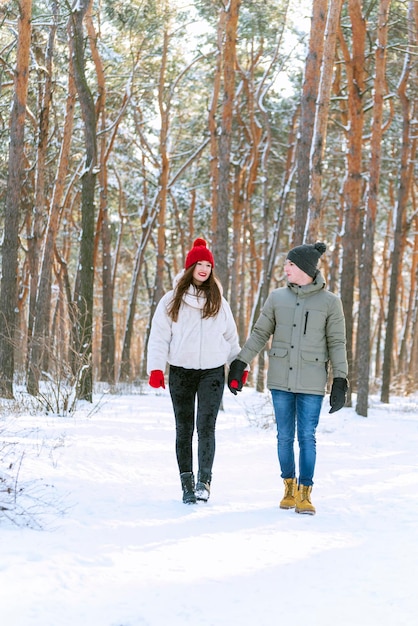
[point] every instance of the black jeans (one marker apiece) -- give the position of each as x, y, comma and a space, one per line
208, 386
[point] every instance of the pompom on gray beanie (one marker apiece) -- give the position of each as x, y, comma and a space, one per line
306, 257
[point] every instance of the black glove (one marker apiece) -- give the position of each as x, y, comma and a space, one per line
338, 394
236, 373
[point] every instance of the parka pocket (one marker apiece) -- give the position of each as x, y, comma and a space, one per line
278, 370
279, 352
314, 370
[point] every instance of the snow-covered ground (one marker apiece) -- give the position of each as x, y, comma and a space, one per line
110, 543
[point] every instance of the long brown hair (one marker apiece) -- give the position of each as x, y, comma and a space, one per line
209, 289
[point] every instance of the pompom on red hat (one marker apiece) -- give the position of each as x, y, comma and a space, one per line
199, 252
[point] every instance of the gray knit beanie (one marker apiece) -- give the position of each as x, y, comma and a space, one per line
306, 257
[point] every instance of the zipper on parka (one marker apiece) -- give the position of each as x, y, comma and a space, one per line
306, 322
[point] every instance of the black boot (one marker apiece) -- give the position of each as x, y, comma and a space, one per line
187, 483
203, 485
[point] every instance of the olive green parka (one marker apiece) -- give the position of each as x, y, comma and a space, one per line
307, 327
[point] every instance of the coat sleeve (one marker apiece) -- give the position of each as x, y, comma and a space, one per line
336, 340
261, 332
160, 337
230, 333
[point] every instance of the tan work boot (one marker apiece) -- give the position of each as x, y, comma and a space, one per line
288, 500
303, 500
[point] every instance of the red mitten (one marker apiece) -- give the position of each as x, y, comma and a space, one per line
236, 376
156, 379
235, 384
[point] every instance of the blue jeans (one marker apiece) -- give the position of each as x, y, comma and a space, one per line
301, 409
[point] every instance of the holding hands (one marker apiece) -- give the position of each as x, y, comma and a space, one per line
237, 376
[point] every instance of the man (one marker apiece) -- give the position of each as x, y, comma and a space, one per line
307, 326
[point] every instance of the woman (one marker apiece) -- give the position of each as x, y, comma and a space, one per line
193, 330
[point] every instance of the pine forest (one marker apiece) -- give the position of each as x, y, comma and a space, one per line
128, 129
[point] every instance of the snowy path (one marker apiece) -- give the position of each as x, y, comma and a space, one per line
127, 552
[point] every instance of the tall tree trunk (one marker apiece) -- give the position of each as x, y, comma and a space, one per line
212, 122
405, 180
84, 298
307, 117
43, 300
164, 109
39, 209
163, 186
413, 357
405, 350
321, 120
40, 206
103, 233
8, 291
367, 253
220, 241
353, 181
256, 129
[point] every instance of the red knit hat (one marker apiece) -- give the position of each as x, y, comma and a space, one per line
199, 252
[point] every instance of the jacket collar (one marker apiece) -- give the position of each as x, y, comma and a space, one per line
306, 290
193, 299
